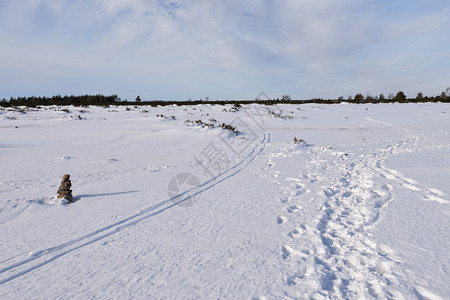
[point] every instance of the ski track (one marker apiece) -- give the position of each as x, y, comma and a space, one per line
335, 256
39, 258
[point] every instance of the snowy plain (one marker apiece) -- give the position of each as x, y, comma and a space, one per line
169, 205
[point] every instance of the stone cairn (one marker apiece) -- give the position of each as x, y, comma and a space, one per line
64, 190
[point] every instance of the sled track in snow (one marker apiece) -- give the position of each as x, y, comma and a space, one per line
40, 258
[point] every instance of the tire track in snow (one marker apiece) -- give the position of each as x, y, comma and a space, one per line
40, 258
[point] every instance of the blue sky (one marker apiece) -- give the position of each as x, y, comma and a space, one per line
192, 49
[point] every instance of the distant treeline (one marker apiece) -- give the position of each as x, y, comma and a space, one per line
101, 100
61, 100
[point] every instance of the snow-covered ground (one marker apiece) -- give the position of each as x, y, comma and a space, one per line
358, 208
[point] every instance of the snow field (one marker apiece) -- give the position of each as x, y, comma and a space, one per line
359, 209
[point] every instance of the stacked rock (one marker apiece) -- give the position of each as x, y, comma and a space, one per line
64, 190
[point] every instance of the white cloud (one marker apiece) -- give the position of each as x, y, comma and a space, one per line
186, 49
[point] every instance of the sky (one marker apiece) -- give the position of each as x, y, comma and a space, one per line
193, 49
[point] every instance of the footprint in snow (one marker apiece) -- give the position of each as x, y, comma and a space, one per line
295, 234
293, 208
299, 275
285, 199
281, 219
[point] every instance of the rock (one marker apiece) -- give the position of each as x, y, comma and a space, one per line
64, 193
69, 198
64, 190
65, 186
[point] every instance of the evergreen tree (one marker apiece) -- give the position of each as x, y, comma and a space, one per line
359, 98
419, 96
400, 97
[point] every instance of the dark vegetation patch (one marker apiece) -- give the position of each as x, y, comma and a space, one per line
106, 101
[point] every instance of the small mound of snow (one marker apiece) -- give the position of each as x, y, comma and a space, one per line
52, 201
